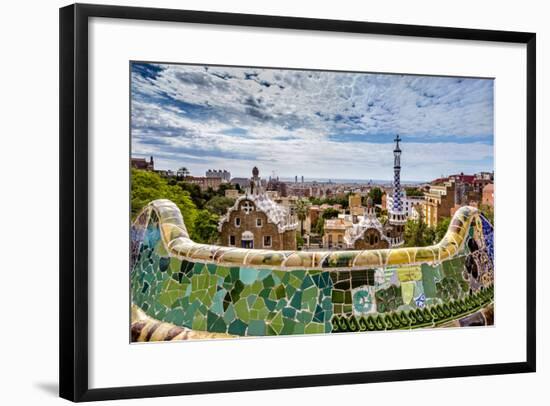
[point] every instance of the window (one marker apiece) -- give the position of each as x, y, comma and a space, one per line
231, 240
237, 221
267, 241
247, 207
258, 222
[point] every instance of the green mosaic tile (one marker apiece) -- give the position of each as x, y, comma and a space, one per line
222, 271
306, 283
237, 328
212, 268
241, 308
215, 298
289, 312
304, 316
315, 328
289, 326
248, 275
257, 327
280, 292
296, 301
268, 282
338, 296
277, 323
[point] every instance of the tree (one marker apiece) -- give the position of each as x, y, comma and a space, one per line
413, 234
429, 236
223, 187
376, 195
302, 206
441, 228
206, 227
342, 200
412, 191
148, 186
418, 234
320, 226
219, 205
194, 191
330, 213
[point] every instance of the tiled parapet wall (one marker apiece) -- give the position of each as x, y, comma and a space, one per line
260, 292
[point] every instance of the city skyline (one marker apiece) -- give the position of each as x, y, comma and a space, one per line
320, 125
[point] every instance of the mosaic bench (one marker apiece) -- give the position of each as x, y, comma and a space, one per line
183, 290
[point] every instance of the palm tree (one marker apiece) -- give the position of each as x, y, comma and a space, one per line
302, 206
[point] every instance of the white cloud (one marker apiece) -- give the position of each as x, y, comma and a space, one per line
294, 122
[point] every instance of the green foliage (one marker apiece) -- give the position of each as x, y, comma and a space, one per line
376, 195
194, 192
148, 186
206, 227
441, 228
226, 186
319, 226
219, 205
429, 236
299, 240
343, 201
302, 206
412, 191
330, 213
202, 198
417, 234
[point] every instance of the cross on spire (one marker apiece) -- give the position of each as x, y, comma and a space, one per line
397, 139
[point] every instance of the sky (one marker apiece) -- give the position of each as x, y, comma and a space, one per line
316, 124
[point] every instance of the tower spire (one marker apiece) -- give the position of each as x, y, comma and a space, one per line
397, 205
397, 216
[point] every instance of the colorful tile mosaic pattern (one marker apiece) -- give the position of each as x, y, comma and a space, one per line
187, 287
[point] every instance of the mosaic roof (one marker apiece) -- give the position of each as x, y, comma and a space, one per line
357, 231
276, 213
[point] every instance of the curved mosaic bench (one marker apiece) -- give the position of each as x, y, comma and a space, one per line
253, 292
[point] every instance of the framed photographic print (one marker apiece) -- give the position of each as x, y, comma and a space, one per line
256, 202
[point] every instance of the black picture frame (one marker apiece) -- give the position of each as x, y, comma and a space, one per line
74, 171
